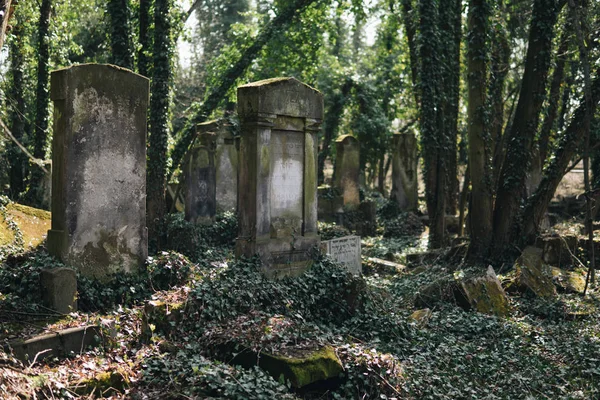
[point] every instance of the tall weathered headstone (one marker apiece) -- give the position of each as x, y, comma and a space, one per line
347, 170
226, 163
200, 180
405, 182
277, 193
99, 169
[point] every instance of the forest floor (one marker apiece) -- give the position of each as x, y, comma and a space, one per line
173, 331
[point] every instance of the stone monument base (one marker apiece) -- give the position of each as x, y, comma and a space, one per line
280, 257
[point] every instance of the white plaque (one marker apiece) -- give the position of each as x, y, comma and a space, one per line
287, 172
345, 250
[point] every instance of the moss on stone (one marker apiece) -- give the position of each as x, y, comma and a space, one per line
420, 317
304, 369
33, 223
530, 273
103, 384
485, 294
161, 316
568, 281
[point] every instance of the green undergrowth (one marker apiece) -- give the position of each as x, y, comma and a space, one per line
544, 349
20, 281
202, 243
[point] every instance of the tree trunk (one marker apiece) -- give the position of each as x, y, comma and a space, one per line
228, 78
451, 35
160, 95
524, 127
145, 38
40, 135
433, 135
554, 96
4, 17
537, 205
499, 70
479, 140
120, 33
330, 127
410, 27
16, 110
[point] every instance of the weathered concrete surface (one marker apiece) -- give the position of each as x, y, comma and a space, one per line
99, 169
277, 193
404, 171
56, 344
226, 163
200, 181
59, 289
347, 170
225, 155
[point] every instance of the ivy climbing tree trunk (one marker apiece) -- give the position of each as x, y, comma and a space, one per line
160, 97
228, 78
433, 134
120, 33
144, 38
569, 143
332, 122
16, 108
480, 214
524, 127
410, 28
451, 35
4, 17
40, 135
548, 126
500, 58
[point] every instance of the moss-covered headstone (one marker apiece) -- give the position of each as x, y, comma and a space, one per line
277, 193
405, 181
99, 169
347, 170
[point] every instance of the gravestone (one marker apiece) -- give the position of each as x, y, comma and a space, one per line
277, 193
59, 289
226, 163
200, 181
99, 169
347, 170
345, 250
404, 172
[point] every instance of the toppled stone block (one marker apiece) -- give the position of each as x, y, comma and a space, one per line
530, 274
568, 281
558, 250
302, 369
481, 292
485, 294
385, 266
160, 317
56, 344
59, 289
